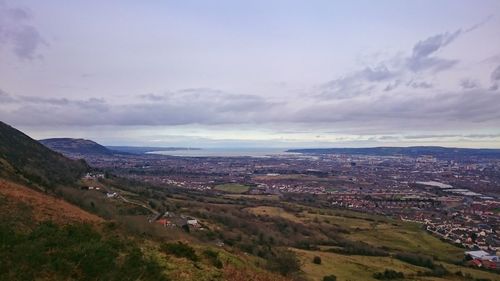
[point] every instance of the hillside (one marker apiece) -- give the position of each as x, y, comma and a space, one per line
442, 152
24, 159
69, 146
44, 237
42, 207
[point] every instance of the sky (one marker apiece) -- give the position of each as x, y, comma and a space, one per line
260, 73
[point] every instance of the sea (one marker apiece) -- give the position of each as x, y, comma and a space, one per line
226, 152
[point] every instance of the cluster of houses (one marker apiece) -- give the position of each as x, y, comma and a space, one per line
93, 176
483, 259
169, 219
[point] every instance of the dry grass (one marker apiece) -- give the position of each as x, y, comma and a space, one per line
44, 207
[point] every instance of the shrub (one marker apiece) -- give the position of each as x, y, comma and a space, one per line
180, 250
317, 260
285, 262
330, 278
213, 257
418, 260
388, 274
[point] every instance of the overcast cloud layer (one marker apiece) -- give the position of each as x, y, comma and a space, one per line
285, 73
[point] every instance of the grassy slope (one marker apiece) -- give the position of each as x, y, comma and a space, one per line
377, 231
363, 267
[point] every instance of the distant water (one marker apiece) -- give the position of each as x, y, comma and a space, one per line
225, 152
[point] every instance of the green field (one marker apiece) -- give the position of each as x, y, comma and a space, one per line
232, 188
354, 267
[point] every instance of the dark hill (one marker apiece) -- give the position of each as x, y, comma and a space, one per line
25, 159
437, 151
72, 147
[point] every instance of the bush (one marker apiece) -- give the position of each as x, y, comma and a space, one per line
358, 248
330, 278
388, 274
180, 250
418, 260
317, 260
285, 262
213, 257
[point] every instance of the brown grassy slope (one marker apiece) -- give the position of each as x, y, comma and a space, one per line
43, 207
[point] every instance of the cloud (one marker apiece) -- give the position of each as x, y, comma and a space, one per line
391, 112
417, 137
398, 71
187, 106
5, 97
495, 75
421, 60
495, 78
419, 84
18, 34
468, 83
400, 112
357, 83
392, 86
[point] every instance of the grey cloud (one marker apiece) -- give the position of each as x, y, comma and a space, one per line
379, 73
42, 100
26, 41
420, 59
392, 86
17, 33
416, 137
190, 106
451, 110
5, 97
436, 136
399, 112
432, 44
468, 83
152, 97
481, 136
357, 83
419, 85
495, 75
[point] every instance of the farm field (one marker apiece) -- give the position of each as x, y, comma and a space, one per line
232, 188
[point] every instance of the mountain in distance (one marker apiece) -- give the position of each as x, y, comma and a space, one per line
436, 151
76, 148
71, 147
24, 159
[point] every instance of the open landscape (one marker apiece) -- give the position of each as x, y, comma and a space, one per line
222, 232
250, 140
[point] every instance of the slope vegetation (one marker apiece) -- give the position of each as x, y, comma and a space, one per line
22, 158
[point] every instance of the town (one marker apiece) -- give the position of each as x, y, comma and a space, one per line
456, 200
